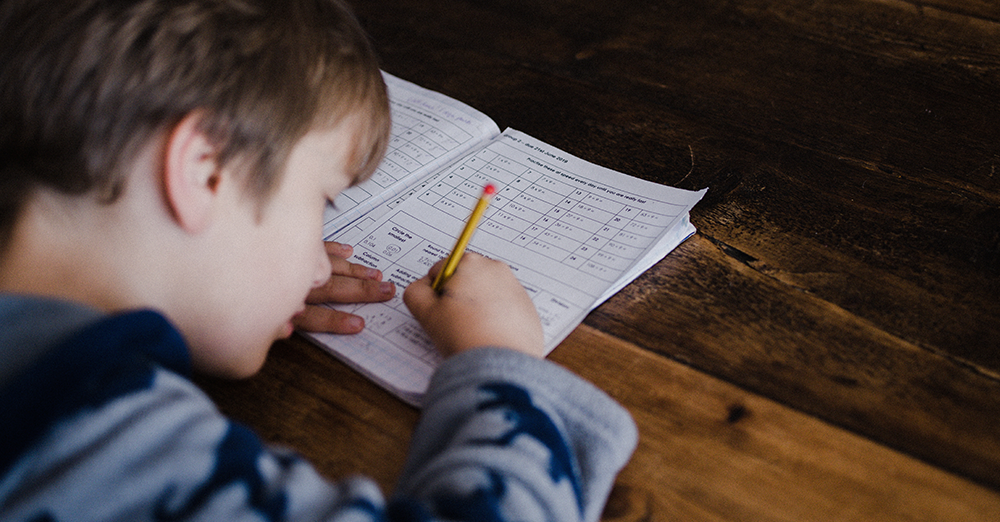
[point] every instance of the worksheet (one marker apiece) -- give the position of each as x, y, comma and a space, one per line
429, 130
573, 232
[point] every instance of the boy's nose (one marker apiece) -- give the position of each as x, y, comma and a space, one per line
323, 268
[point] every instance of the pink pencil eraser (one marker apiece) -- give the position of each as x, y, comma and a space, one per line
489, 189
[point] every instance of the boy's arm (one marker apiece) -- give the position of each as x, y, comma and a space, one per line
505, 436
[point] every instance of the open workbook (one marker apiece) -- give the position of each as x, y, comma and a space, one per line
573, 232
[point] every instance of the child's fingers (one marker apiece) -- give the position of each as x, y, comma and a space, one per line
341, 250
339, 253
349, 289
321, 319
433, 272
419, 296
420, 293
482, 304
344, 267
339, 265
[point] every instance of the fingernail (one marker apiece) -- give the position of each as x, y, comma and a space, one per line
385, 288
344, 250
355, 323
373, 273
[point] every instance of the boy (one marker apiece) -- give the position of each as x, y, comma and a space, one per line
165, 164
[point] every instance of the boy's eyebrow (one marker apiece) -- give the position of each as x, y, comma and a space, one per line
357, 172
356, 179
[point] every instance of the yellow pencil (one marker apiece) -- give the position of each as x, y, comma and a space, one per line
463, 239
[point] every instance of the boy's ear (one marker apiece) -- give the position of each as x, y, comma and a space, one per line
190, 174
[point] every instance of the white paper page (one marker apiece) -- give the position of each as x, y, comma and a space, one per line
683, 230
429, 130
572, 231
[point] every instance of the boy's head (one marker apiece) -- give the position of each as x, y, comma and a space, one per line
87, 83
104, 99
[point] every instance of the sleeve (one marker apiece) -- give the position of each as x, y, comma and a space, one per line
505, 436
493, 444
164, 452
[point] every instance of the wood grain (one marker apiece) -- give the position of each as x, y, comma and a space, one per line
709, 450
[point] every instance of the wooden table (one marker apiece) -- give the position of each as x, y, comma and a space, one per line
827, 347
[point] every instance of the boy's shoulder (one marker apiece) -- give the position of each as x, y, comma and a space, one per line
61, 358
96, 394
51, 337
31, 325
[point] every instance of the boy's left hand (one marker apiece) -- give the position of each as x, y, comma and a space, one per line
348, 283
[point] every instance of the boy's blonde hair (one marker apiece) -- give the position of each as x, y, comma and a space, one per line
85, 84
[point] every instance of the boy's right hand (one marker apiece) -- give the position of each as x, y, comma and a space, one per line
482, 304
